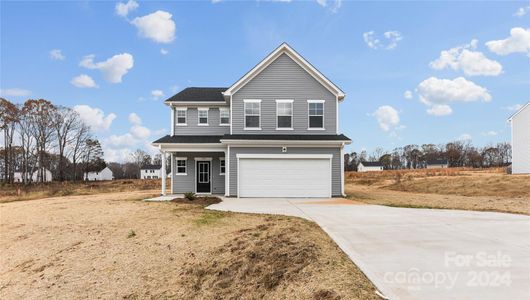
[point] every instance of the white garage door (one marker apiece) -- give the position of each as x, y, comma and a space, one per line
286, 177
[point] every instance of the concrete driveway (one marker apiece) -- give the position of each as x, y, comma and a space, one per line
419, 253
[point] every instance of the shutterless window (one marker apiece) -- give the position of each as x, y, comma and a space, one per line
203, 116
284, 111
223, 166
252, 114
316, 115
181, 166
181, 116
225, 116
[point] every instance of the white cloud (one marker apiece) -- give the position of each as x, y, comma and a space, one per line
120, 141
83, 81
113, 69
387, 117
518, 41
407, 94
390, 41
163, 51
333, 6
140, 131
157, 26
134, 119
216, 1
472, 63
123, 9
439, 93
490, 133
156, 94
14, 92
464, 137
95, 117
56, 54
514, 107
522, 11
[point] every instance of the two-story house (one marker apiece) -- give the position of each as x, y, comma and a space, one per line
273, 133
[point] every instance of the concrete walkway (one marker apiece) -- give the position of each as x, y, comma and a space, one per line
419, 253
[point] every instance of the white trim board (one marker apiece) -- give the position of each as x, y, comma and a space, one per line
285, 156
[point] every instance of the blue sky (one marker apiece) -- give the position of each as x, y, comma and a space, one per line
375, 51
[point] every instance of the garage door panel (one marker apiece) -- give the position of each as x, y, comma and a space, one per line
284, 177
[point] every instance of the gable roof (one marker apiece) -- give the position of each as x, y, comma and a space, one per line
151, 167
199, 94
371, 163
518, 111
284, 48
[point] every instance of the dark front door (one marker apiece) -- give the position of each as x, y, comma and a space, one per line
203, 177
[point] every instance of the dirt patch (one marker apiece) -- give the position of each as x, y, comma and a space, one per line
201, 201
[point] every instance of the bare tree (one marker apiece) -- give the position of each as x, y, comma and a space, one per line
77, 147
92, 156
66, 124
27, 143
8, 119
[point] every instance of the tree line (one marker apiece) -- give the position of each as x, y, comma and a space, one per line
39, 135
457, 154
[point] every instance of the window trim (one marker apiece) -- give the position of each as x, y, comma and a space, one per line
291, 101
245, 101
185, 109
185, 159
323, 114
221, 109
220, 160
207, 109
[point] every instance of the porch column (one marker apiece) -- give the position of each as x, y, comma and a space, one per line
163, 171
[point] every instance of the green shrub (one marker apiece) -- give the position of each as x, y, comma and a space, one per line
190, 196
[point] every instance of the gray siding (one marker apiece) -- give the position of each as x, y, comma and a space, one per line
284, 79
193, 128
336, 169
186, 183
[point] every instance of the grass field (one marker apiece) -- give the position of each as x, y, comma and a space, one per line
453, 188
112, 246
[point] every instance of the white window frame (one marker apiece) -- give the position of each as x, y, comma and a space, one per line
185, 159
199, 116
292, 114
222, 159
221, 110
185, 109
323, 114
245, 101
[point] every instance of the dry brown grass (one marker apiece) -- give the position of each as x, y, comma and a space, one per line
107, 246
17, 192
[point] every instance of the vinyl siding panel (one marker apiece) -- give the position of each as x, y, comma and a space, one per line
336, 167
186, 183
193, 128
284, 79
521, 142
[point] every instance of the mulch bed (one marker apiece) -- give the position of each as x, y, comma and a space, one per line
202, 201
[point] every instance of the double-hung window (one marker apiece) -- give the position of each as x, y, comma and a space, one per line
222, 166
315, 114
224, 114
181, 116
284, 114
181, 165
203, 116
252, 114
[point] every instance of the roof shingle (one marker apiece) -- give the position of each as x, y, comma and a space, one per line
199, 94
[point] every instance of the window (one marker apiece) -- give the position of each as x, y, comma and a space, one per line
252, 114
181, 166
316, 114
284, 114
203, 116
181, 116
225, 116
222, 165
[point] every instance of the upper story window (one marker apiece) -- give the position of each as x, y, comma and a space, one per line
252, 114
315, 114
203, 116
224, 114
181, 116
284, 114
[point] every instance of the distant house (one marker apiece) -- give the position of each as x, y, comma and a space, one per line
150, 172
47, 176
437, 164
368, 166
521, 140
105, 174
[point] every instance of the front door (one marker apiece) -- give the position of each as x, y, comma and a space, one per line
203, 177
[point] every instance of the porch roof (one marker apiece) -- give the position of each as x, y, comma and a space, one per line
216, 139
189, 139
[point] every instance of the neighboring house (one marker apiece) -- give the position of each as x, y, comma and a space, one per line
369, 166
437, 163
46, 176
520, 121
150, 172
273, 133
105, 174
